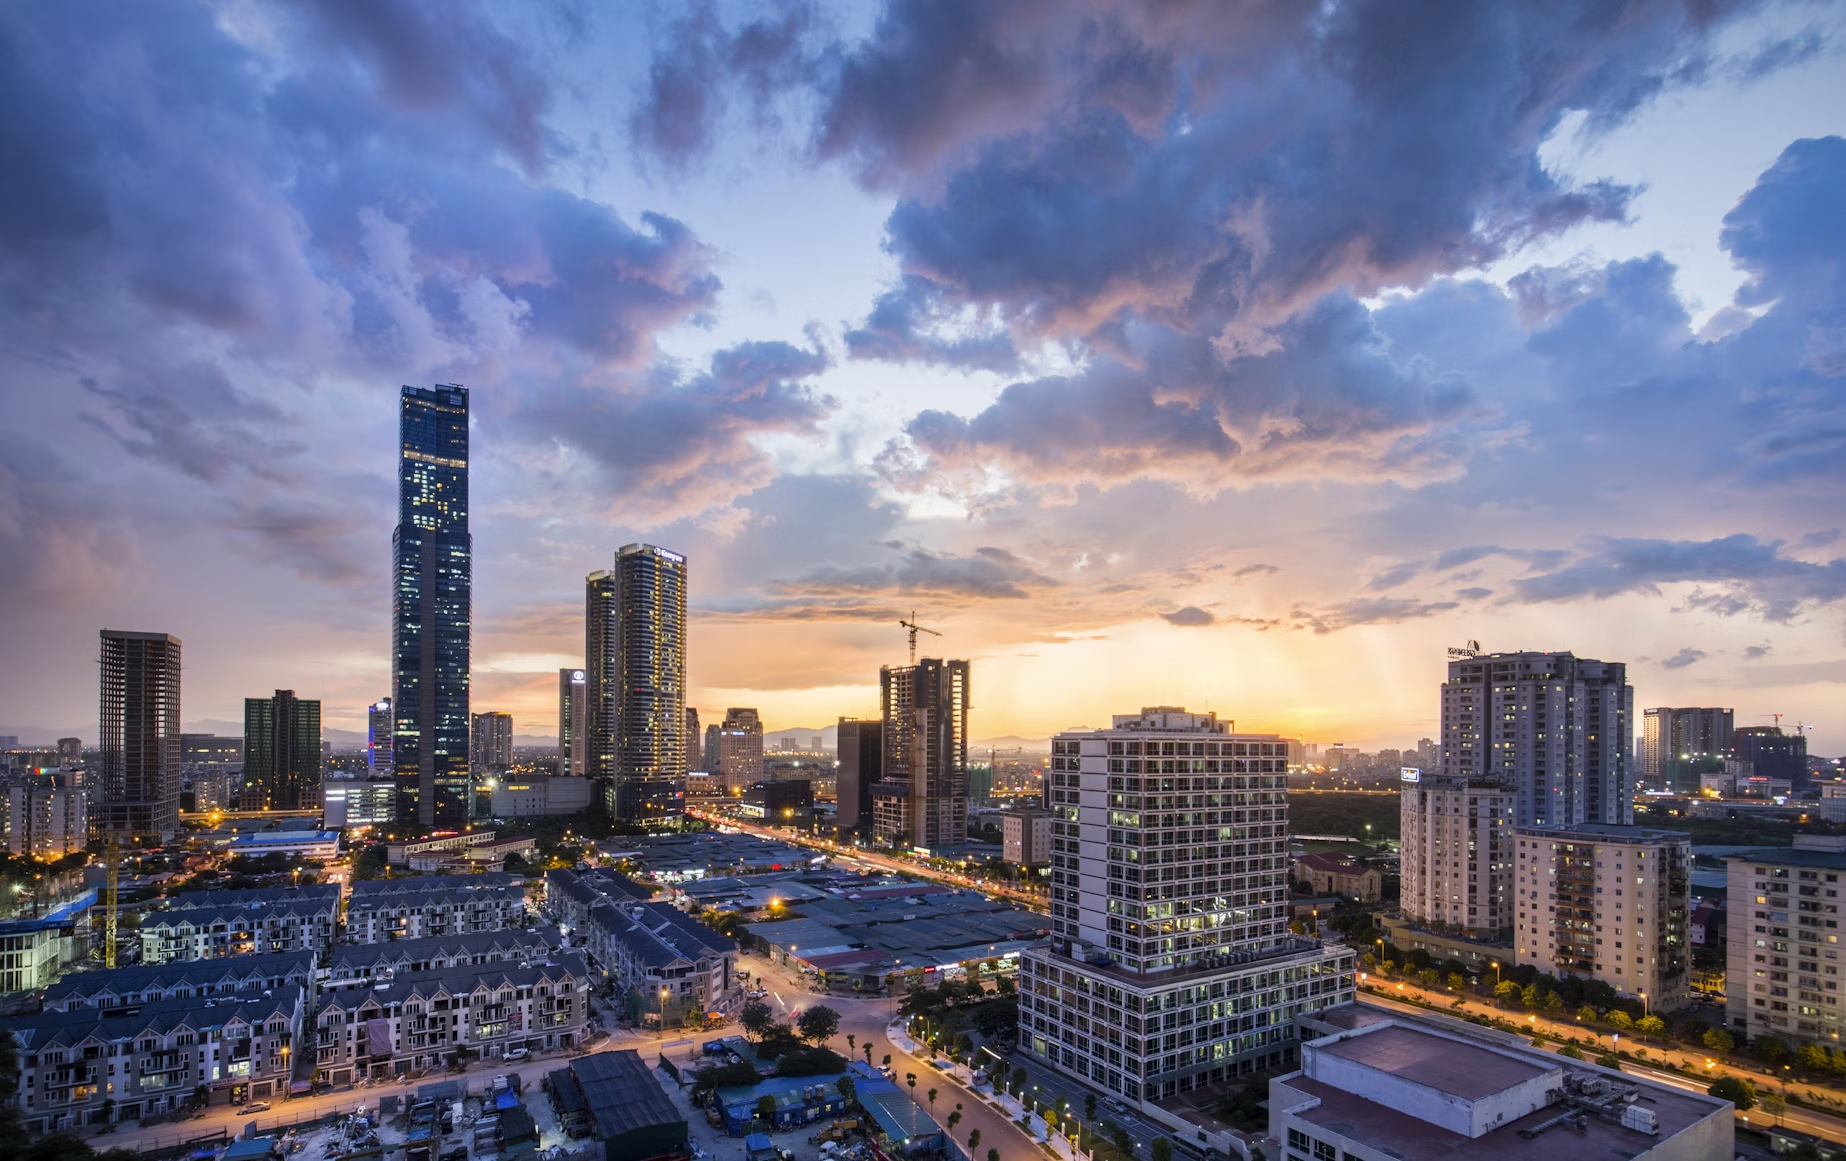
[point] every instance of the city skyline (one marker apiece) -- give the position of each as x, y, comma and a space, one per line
1132, 400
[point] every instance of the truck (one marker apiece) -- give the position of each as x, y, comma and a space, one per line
837, 1131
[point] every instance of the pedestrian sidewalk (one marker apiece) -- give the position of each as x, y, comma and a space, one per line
1014, 1109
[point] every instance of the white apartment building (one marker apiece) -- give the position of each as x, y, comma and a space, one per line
44, 816
1170, 966
1457, 853
1782, 963
1608, 903
1556, 729
1025, 838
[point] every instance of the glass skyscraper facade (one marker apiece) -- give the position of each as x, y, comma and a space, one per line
430, 609
282, 750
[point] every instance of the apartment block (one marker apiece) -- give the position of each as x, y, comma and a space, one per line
1671, 736
1782, 963
669, 968
188, 980
1457, 848
1170, 966
362, 963
1025, 838
42, 817
432, 1019
356, 803
262, 921
1608, 903
90, 1065
383, 909
921, 798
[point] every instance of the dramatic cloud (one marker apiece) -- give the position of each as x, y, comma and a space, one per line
1748, 575
906, 326
987, 573
1685, 657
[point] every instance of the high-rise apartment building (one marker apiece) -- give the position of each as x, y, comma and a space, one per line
1457, 853
282, 750
42, 817
695, 745
635, 646
431, 608
378, 724
1783, 965
1608, 903
1554, 728
1772, 754
1170, 966
491, 741
573, 723
740, 749
70, 751
861, 764
922, 797
137, 792
1025, 838
1672, 736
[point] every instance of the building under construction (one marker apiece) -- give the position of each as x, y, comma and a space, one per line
921, 798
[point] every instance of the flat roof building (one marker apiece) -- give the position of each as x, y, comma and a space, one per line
1782, 958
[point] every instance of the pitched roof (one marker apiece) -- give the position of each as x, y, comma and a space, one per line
54, 1029
230, 973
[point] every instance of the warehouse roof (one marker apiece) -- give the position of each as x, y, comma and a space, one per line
622, 1093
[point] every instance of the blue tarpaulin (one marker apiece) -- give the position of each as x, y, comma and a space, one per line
506, 1100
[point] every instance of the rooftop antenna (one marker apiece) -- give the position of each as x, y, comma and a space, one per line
914, 630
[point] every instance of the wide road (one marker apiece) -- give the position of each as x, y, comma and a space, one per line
1036, 902
1820, 1124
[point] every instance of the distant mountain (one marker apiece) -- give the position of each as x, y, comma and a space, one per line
829, 735
1010, 742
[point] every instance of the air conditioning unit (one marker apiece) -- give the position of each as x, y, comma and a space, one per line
1641, 1120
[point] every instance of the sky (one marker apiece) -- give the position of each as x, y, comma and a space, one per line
1242, 357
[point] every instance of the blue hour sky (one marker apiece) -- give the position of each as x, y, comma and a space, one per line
1236, 356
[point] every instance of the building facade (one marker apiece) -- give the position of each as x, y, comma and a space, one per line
1782, 954
433, 1019
282, 750
138, 778
379, 722
860, 749
1671, 736
573, 723
739, 749
522, 796
1553, 728
670, 968
43, 818
1457, 849
431, 608
157, 983
204, 925
349, 964
438, 905
1772, 754
1340, 875
490, 742
648, 696
1170, 966
355, 803
1610, 903
695, 742
921, 798
1025, 838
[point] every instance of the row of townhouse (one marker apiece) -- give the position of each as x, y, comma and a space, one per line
146, 984
198, 925
89, 1066
670, 968
353, 962
431, 1019
437, 905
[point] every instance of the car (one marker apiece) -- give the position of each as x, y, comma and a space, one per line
454, 1153
255, 1107
517, 1054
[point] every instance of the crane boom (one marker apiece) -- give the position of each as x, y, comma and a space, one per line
914, 630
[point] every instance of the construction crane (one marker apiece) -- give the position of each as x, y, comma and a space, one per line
914, 630
112, 861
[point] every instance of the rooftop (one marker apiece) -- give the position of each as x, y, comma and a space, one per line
1445, 1065
235, 973
622, 1093
1791, 857
1606, 832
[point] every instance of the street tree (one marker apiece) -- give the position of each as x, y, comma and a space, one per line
1161, 1149
1587, 1014
756, 1018
1775, 1106
1619, 1020
818, 1024
1719, 1041
1739, 1092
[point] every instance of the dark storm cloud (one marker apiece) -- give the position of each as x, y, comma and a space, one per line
1749, 574
1190, 617
65, 544
986, 573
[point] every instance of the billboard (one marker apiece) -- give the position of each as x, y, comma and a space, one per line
1410, 773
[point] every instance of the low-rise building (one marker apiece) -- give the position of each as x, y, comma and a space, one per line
90, 1065
309, 844
1340, 875
778, 803
259, 921
1782, 958
382, 909
400, 854
618, 1098
1606, 902
1025, 838
358, 963
537, 795
431, 1019
1397, 1088
189, 980
672, 969
356, 803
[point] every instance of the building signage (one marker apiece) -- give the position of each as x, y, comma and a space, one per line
1410, 773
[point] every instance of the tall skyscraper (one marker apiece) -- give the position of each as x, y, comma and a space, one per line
1555, 729
1169, 889
137, 793
490, 742
695, 745
282, 751
740, 749
573, 722
1672, 738
861, 756
431, 607
378, 725
635, 627
922, 797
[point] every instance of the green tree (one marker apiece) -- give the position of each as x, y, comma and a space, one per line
1387, 968
1505, 990
756, 1018
1089, 1107
1619, 1020
1428, 977
1650, 1026
1719, 1041
910, 1078
1572, 1051
1530, 996
1610, 1061
1161, 1149
974, 1141
1457, 981
1739, 1092
849, 1088
1369, 962
993, 1155
887, 1061
852, 1044
766, 1108
1775, 1106
1587, 1014
932, 1102
818, 1024
868, 1056
954, 1119
1553, 1002
1019, 1081
1770, 1048
1813, 1058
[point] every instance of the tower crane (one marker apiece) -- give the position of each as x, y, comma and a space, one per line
914, 630
112, 862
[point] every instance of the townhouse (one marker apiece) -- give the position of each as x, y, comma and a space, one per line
437, 905
671, 969
154, 983
353, 963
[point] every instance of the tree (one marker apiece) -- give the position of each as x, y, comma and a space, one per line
1572, 1051
848, 1088
1719, 1041
1553, 1002
852, 1044
1457, 981
1019, 1081
1609, 1060
1620, 1020
974, 1141
1813, 1058
954, 1119
1650, 1026
932, 1102
910, 1078
1369, 962
818, 1024
1161, 1149
1775, 1106
756, 1018
887, 1062
1388, 967
1530, 996
766, 1108
1587, 1014
1739, 1092
868, 1056
993, 1155
1505, 990
1770, 1048
1089, 1107
1428, 977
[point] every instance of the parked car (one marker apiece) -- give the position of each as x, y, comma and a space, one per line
516, 1054
454, 1153
255, 1107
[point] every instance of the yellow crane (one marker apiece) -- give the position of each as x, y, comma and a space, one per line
112, 862
914, 630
